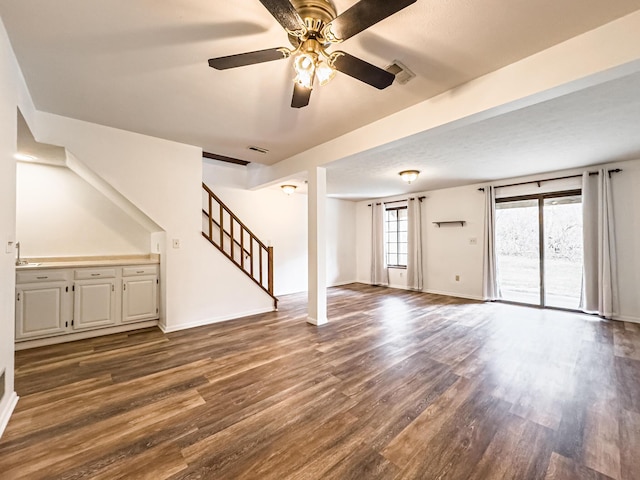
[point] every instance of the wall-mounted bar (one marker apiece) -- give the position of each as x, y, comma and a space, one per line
398, 201
615, 170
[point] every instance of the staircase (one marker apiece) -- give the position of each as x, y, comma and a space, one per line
228, 234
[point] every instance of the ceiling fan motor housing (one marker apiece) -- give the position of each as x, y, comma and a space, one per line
315, 14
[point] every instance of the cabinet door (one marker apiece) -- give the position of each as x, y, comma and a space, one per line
41, 309
139, 298
94, 303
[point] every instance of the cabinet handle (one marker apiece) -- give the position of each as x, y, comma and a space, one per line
124, 286
140, 271
18, 296
42, 278
95, 274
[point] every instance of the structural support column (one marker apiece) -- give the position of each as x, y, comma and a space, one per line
317, 198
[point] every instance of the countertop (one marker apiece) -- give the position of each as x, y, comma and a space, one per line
37, 263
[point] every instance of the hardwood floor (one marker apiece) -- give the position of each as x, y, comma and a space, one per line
399, 385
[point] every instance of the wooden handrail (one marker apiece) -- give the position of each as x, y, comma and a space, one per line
258, 276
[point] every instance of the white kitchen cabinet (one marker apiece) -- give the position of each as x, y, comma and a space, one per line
52, 302
139, 293
94, 303
42, 309
139, 298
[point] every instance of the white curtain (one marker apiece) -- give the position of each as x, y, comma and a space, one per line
414, 238
379, 271
490, 289
599, 283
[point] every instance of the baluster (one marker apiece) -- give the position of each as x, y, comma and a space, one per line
221, 227
242, 247
251, 255
231, 235
270, 272
261, 284
210, 217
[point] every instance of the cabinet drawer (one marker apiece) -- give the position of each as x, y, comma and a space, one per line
41, 276
140, 270
87, 273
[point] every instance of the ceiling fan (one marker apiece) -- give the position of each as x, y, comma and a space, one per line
313, 26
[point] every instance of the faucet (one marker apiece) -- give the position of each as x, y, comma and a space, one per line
18, 260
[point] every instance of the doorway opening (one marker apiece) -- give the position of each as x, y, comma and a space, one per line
539, 249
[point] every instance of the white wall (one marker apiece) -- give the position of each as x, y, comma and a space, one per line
10, 79
626, 200
59, 214
341, 242
163, 179
448, 251
281, 221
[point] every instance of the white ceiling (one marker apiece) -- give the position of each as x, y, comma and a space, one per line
141, 65
597, 125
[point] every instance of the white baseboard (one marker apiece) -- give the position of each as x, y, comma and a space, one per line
6, 412
457, 295
211, 321
72, 337
626, 318
341, 284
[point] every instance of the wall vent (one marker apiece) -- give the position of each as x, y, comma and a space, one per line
401, 71
2, 387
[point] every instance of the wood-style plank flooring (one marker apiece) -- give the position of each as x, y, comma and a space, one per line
399, 385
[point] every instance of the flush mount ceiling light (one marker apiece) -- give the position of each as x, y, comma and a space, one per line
288, 189
313, 26
409, 175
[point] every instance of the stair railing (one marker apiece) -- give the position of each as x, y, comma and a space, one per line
230, 235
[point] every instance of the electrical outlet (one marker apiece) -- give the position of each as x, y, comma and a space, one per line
473, 241
457, 278
9, 247
176, 243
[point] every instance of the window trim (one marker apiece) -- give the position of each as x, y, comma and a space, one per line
387, 209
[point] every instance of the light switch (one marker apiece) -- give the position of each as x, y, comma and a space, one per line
9, 247
176, 243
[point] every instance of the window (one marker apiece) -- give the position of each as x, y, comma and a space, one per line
396, 236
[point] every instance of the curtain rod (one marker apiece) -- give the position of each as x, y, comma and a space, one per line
615, 170
398, 201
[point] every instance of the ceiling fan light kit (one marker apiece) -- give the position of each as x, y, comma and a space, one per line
313, 26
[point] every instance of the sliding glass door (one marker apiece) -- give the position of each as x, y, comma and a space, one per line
563, 251
539, 249
518, 250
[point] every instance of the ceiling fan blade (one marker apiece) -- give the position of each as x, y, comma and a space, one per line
249, 58
361, 16
363, 71
286, 15
301, 96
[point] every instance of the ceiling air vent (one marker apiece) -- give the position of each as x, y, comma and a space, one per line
258, 149
401, 71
